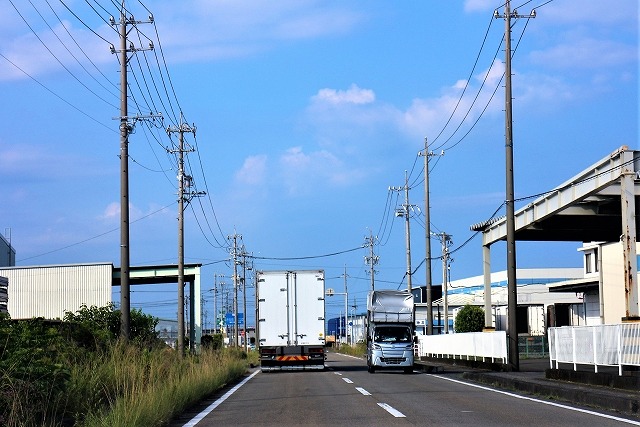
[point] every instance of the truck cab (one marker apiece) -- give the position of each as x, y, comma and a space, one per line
390, 346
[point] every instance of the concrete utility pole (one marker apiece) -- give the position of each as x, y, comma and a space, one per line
184, 181
372, 259
125, 303
405, 212
245, 267
126, 125
346, 312
427, 220
234, 255
512, 299
445, 239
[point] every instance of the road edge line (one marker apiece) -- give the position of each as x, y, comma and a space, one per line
195, 420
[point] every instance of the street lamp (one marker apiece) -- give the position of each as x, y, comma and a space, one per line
330, 292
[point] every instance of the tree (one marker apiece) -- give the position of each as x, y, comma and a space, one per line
102, 324
470, 318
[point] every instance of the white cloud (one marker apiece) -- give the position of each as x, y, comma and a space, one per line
220, 29
587, 53
253, 170
479, 5
353, 95
111, 211
27, 53
302, 173
226, 29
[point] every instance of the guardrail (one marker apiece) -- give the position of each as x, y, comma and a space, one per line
469, 345
598, 345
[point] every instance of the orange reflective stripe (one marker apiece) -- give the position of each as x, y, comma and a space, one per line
290, 358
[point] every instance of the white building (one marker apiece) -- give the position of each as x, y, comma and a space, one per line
602, 285
535, 301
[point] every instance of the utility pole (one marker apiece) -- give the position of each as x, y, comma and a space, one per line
346, 311
372, 259
427, 228
244, 295
215, 299
184, 181
512, 289
234, 255
126, 127
445, 240
405, 212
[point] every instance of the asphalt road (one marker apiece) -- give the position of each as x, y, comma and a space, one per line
347, 395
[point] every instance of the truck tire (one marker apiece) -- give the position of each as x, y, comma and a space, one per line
371, 369
408, 370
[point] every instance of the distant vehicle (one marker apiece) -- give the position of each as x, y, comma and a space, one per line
390, 330
290, 327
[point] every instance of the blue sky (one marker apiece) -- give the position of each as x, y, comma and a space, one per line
306, 113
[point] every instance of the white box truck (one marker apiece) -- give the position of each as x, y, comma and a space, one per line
290, 313
390, 330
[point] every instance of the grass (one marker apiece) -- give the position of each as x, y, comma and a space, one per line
124, 386
358, 350
149, 388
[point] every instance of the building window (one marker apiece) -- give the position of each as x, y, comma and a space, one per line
587, 263
596, 261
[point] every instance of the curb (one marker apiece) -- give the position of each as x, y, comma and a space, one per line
620, 401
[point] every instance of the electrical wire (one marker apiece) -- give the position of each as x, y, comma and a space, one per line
56, 95
307, 257
96, 236
58, 59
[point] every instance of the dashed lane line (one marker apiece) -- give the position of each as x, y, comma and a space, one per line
391, 410
363, 391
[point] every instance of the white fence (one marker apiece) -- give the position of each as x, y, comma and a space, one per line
469, 345
599, 345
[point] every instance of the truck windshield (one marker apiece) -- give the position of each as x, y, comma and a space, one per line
392, 334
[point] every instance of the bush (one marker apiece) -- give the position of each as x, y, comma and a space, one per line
212, 342
98, 327
470, 319
33, 375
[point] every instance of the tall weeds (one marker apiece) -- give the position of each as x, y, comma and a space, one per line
148, 388
76, 373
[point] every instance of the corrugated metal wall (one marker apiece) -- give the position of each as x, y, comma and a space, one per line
49, 291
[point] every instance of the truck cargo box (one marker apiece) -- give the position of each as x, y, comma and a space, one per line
390, 306
291, 324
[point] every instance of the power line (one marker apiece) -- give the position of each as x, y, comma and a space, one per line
305, 257
56, 95
58, 59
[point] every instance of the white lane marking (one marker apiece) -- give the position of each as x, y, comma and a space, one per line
363, 391
195, 420
391, 410
558, 405
338, 373
347, 380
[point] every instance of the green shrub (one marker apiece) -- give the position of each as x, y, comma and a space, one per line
470, 318
33, 377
